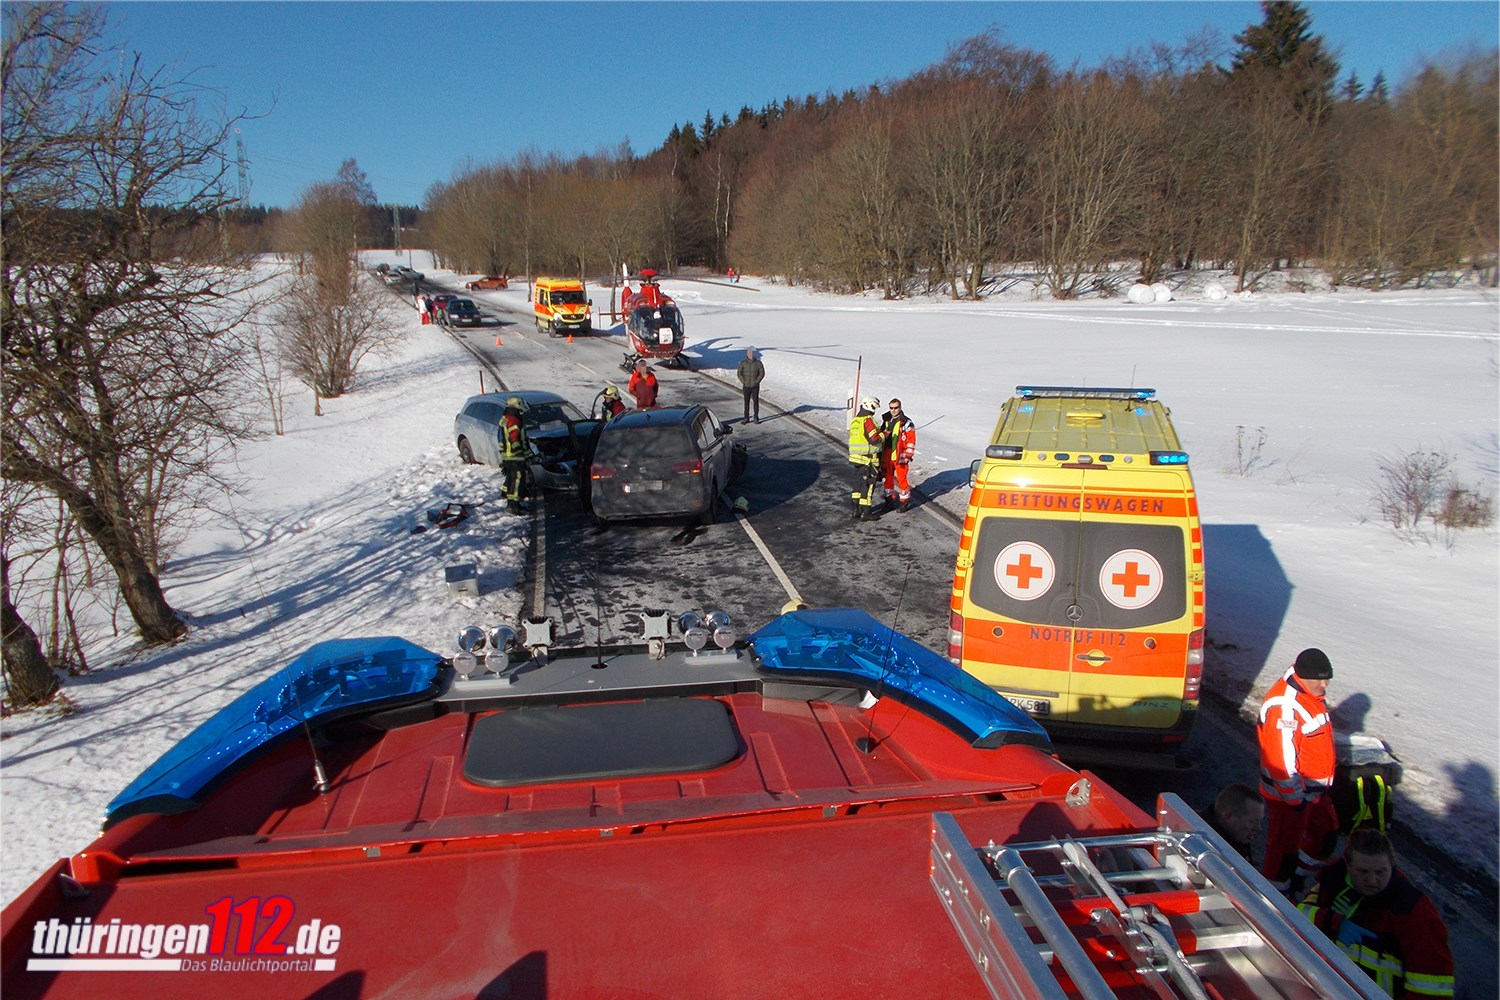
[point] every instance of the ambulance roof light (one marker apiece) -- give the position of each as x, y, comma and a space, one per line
1011, 451
1084, 392
1169, 458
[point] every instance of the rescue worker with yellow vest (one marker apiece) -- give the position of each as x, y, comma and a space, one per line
898, 448
515, 452
1381, 920
1297, 763
864, 452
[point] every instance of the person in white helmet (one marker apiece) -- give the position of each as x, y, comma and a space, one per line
864, 453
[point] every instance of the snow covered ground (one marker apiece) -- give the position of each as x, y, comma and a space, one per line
316, 540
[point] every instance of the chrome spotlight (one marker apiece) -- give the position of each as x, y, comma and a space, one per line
502, 639
717, 619
688, 620
471, 639
695, 638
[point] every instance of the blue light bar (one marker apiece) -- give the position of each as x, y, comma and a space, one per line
1083, 392
1169, 458
331, 679
848, 645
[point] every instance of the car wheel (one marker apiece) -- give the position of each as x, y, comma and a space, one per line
465, 452
710, 513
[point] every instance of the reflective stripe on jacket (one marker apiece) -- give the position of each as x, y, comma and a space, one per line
1396, 936
864, 440
1296, 743
900, 437
512, 437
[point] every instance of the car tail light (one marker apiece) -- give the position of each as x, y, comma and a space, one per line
1192, 684
601, 472
955, 637
693, 467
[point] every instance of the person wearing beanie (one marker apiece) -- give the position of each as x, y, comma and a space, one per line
1297, 763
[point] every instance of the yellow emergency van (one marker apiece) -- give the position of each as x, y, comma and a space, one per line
1078, 590
560, 307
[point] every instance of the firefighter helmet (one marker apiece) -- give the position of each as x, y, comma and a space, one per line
610, 392
515, 403
869, 403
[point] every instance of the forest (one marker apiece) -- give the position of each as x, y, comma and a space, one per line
995, 160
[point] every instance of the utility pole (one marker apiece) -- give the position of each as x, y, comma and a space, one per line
396, 225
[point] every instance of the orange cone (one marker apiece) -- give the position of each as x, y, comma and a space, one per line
570, 338
497, 341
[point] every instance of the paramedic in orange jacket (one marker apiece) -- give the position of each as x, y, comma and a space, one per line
898, 447
643, 387
1296, 760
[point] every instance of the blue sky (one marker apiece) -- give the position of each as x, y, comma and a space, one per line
414, 90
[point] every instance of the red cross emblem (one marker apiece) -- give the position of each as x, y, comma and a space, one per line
1130, 579
1024, 571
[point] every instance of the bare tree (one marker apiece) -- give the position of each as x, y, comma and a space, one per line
331, 319
1091, 167
119, 299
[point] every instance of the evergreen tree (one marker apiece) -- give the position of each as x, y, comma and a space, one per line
1352, 88
1283, 46
1380, 91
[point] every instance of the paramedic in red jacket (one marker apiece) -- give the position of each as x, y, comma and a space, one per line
1296, 761
1370, 909
643, 387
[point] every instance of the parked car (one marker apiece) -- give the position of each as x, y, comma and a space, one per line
493, 281
407, 274
464, 311
558, 432
382, 269
661, 463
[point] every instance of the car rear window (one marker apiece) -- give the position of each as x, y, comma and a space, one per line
632, 445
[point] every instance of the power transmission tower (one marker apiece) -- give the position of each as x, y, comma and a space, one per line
244, 169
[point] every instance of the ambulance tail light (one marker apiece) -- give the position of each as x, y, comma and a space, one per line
1192, 684
1011, 451
955, 638
601, 472
1169, 458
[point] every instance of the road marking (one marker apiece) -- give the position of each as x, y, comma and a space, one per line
786, 583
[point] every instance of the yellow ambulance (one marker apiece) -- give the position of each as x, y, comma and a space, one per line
561, 307
1078, 590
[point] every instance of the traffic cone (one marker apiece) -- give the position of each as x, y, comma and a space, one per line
570, 338
497, 341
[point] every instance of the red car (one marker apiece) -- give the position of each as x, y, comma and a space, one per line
493, 281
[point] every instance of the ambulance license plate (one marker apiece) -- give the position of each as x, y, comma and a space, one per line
1032, 706
645, 486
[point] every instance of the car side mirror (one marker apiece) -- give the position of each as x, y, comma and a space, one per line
974, 471
725, 429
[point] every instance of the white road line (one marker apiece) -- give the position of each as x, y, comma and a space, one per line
786, 583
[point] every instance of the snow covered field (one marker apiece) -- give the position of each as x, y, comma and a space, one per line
316, 541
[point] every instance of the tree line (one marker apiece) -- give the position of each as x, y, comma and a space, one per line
996, 159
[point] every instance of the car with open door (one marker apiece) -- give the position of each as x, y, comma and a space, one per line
557, 430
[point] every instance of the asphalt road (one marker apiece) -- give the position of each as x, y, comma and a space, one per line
800, 542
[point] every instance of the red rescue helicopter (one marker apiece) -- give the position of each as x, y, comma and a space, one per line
653, 323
